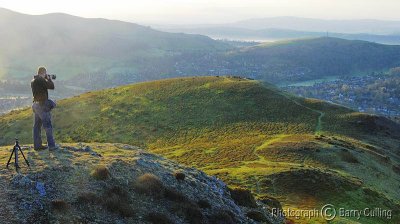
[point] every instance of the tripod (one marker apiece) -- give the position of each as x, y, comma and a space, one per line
15, 151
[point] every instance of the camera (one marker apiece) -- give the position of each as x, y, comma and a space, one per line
52, 76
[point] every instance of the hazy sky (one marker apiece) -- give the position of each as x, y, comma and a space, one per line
217, 11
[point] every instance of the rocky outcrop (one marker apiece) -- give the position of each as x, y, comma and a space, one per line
117, 183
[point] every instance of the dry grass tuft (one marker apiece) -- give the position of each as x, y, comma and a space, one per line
179, 176
149, 184
101, 173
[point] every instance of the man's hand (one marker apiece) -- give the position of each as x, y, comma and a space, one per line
49, 83
48, 78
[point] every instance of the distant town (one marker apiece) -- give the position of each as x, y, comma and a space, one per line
17, 94
376, 93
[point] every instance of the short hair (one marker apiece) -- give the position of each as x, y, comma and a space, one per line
41, 70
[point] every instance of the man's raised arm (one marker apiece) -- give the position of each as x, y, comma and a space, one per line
49, 83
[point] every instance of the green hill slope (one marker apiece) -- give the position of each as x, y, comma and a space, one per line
304, 152
309, 59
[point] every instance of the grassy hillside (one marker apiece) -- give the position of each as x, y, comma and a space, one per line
308, 59
304, 152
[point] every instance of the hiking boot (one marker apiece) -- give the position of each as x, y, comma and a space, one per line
41, 148
56, 147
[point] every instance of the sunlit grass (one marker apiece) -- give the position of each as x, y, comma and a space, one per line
239, 130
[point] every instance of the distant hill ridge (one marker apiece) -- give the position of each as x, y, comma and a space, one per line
371, 26
313, 58
104, 53
73, 45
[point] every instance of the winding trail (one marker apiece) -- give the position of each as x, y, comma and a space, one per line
265, 145
318, 127
318, 130
244, 168
261, 159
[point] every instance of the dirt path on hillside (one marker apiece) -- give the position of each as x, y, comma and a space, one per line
263, 160
318, 130
318, 127
265, 145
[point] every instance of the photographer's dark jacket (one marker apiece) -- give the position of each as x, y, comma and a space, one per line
39, 87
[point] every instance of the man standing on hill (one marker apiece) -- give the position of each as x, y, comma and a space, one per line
41, 107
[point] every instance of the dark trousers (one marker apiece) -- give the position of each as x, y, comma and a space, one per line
42, 118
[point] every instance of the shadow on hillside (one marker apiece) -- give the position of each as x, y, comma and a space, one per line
49, 159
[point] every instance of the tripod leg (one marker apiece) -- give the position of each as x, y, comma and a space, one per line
8, 163
27, 162
16, 158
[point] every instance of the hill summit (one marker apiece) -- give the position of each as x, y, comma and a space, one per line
111, 183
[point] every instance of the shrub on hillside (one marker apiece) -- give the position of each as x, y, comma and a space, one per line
243, 197
149, 184
179, 176
101, 173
